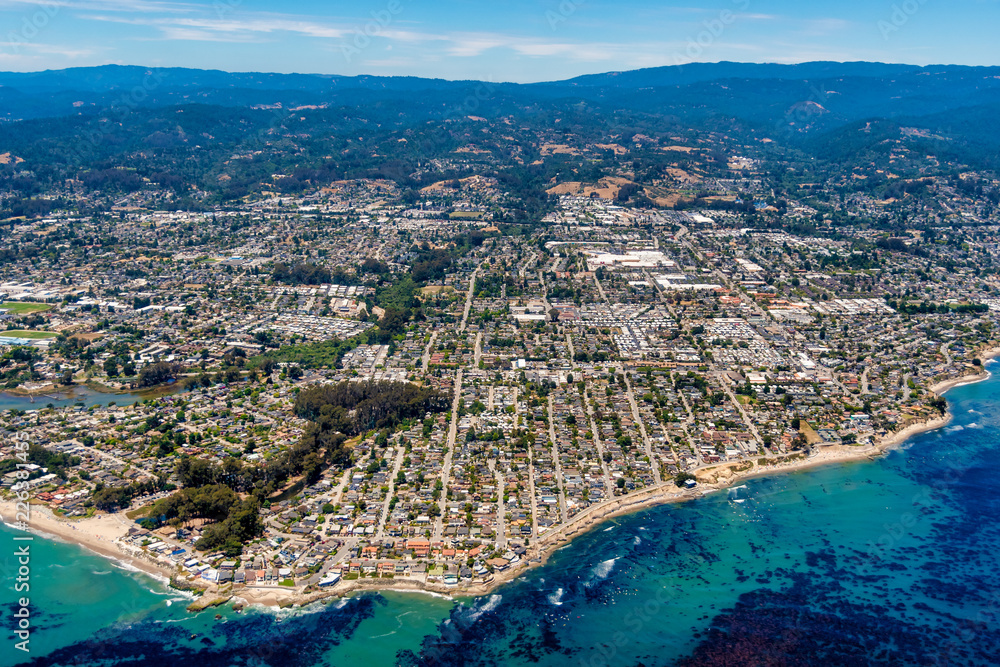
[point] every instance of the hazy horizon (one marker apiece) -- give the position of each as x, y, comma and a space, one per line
521, 41
429, 77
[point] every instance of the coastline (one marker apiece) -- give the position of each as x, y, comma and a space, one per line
988, 354
156, 391
42, 391
98, 534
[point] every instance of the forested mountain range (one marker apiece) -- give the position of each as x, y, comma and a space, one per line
849, 91
120, 128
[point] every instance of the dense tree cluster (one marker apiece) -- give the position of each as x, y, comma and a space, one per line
112, 180
159, 373
17, 364
303, 273
430, 263
372, 265
392, 324
928, 308
211, 491
241, 525
112, 498
53, 462
235, 521
212, 501
56, 462
324, 354
356, 407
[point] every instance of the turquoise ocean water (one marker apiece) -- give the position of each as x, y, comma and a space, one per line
891, 562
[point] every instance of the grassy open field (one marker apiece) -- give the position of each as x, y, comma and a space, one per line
437, 289
24, 308
812, 437
34, 335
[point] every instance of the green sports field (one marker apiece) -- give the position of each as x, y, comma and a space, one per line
34, 335
23, 308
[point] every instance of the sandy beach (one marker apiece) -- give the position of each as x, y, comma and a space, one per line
944, 386
97, 534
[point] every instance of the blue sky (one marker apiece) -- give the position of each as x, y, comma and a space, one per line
501, 40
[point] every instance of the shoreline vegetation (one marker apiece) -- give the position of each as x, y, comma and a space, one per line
156, 391
100, 533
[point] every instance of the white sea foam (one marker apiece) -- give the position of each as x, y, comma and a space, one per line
556, 598
433, 594
636, 541
122, 565
256, 606
291, 612
286, 613
491, 603
132, 569
600, 572
41, 533
174, 594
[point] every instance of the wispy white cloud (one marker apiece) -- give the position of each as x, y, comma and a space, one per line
181, 34
39, 49
430, 41
465, 46
127, 6
410, 35
825, 26
174, 27
472, 45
